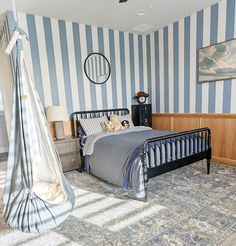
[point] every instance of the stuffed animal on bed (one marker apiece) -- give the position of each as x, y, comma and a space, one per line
116, 122
109, 126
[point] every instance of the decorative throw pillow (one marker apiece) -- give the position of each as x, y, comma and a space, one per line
125, 124
126, 117
116, 122
93, 125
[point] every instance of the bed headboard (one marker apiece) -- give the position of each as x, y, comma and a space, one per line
94, 114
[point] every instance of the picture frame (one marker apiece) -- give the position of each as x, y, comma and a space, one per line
217, 61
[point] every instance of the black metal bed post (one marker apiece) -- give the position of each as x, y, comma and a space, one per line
209, 152
208, 166
145, 170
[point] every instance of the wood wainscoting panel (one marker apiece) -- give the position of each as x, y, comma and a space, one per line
52, 129
228, 162
67, 128
185, 124
233, 135
161, 123
218, 135
223, 136
223, 130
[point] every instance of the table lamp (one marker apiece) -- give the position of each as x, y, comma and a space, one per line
57, 114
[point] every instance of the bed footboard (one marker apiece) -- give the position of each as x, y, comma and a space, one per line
163, 154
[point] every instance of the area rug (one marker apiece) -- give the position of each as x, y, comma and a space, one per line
185, 207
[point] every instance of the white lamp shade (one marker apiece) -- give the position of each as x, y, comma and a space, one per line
56, 113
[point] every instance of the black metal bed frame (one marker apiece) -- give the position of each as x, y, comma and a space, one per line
184, 148
198, 148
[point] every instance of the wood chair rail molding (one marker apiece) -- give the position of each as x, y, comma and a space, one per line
223, 129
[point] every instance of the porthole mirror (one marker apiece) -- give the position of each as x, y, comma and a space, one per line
97, 68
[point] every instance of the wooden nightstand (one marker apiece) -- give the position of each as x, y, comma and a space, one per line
69, 152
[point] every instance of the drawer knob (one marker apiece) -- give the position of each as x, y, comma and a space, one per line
72, 159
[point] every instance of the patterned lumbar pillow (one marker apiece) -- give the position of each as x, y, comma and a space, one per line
93, 125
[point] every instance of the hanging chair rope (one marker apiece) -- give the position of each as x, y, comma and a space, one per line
18, 33
13, 5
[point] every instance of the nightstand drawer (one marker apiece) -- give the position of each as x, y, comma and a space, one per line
69, 152
67, 147
70, 162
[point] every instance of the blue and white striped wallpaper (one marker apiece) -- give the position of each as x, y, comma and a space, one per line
56, 56
163, 63
174, 63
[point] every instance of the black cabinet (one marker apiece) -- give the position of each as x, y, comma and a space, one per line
142, 114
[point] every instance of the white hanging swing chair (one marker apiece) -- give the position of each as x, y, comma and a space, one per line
37, 196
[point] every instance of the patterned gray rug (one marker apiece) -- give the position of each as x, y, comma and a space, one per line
185, 207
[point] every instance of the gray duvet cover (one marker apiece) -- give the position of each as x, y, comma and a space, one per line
110, 154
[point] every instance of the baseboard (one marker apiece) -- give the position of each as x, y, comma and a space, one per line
228, 162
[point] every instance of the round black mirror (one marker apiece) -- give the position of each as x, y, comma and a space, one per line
97, 68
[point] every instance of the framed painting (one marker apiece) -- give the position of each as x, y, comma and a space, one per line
217, 62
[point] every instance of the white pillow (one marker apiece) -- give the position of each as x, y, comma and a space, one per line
93, 125
126, 117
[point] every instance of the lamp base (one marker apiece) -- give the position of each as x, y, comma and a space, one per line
59, 130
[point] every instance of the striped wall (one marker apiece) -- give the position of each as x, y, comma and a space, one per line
163, 63
56, 53
173, 63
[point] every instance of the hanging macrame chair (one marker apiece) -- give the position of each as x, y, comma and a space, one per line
37, 196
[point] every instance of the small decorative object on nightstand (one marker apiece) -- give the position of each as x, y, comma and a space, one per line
142, 114
57, 114
69, 152
141, 97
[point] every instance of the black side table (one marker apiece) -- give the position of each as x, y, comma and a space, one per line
142, 114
